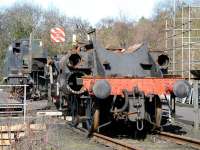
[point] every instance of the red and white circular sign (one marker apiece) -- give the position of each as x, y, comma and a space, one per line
57, 35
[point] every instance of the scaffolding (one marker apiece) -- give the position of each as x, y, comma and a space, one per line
183, 39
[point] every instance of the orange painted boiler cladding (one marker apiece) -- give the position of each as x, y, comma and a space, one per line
156, 86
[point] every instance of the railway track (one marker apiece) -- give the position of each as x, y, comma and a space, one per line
177, 139
107, 141
181, 140
115, 144
121, 145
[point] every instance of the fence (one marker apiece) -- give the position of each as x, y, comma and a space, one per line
183, 40
13, 100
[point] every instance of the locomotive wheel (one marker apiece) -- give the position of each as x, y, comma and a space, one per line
158, 112
92, 114
89, 114
74, 111
96, 119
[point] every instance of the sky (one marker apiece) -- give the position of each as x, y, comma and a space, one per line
94, 10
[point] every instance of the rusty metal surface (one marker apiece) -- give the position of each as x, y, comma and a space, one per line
195, 143
156, 86
115, 144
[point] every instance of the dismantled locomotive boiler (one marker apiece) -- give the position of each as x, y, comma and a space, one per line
24, 63
99, 85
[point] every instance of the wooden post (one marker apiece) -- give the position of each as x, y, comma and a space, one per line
50, 102
24, 102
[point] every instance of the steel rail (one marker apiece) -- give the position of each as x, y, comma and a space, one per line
116, 144
195, 143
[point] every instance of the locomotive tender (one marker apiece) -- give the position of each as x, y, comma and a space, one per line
98, 85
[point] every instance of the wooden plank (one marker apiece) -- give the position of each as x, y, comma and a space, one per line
67, 118
21, 127
49, 113
37, 127
7, 136
12, 128
9, 133
5, 142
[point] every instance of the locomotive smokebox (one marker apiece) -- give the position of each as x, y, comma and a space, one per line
101, 89
163, 60
74, 59
181, 89
71, 83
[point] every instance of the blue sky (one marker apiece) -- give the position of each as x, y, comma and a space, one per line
94, 10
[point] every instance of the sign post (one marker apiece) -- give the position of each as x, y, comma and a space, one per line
57, 35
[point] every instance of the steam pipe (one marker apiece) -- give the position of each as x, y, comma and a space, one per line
123, 108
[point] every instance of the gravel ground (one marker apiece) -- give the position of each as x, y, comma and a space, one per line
153, 142
183, 129
58, 136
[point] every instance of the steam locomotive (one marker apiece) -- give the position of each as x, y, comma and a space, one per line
97, 85
25, 63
